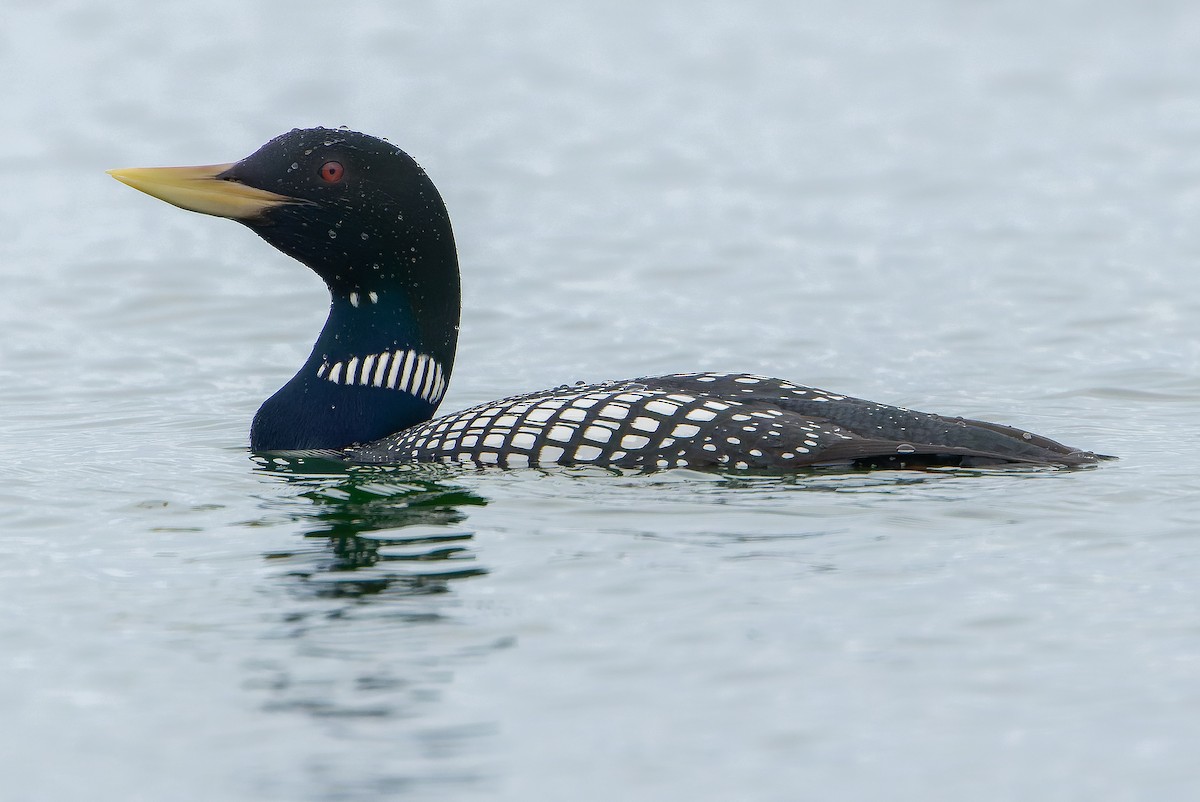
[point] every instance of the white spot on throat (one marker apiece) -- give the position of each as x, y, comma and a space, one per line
356, 298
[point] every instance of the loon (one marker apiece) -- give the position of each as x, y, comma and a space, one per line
367, 219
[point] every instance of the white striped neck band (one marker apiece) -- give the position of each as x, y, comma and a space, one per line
406, 371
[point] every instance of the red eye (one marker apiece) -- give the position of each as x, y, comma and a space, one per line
332, 172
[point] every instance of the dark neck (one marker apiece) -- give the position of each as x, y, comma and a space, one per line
381, 364
384, 357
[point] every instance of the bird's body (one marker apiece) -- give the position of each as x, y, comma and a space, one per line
368, 220
707, 420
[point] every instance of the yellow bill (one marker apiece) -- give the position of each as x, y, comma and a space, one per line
198, 189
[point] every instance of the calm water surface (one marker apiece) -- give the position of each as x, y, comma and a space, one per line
988, 212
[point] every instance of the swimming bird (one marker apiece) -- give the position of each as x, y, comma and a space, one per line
367, 219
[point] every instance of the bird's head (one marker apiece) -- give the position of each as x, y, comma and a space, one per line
356, 209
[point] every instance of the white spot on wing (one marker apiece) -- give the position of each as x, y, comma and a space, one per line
562, 434
661, 407
597, 434
615, 411
587, 453
549, 455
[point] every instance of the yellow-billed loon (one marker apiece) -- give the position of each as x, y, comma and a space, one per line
368, 220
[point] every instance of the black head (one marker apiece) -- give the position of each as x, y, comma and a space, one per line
363, 212
356, 209
367, 219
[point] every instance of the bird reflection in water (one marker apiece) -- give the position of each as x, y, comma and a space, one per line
395, 530
362, 648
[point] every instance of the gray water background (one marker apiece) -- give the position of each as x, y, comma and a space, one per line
978, 209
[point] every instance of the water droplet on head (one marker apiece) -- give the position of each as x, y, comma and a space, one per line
905, 448
332, 234
365, 235
1026, 436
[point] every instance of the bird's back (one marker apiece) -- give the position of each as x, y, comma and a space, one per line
704, 420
